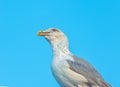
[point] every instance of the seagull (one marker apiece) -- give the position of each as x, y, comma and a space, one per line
68, 69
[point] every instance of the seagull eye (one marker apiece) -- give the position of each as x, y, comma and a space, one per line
55, 30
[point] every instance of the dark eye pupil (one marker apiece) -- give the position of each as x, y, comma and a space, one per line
54, 30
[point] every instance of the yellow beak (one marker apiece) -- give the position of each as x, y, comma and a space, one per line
42, 33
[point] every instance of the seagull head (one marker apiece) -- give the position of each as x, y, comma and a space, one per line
56, 37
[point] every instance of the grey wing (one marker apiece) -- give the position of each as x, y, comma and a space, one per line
82, 67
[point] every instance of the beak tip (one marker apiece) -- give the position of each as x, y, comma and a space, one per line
42, 33
39, 33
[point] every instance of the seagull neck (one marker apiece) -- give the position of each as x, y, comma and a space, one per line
60, 49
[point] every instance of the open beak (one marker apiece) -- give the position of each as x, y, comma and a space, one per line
42, 33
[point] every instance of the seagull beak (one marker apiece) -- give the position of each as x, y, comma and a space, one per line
42, 33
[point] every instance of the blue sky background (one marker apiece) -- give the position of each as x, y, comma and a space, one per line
92, 26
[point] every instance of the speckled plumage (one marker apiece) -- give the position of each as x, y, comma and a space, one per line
69, 70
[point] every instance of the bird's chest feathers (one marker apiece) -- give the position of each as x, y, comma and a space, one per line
60, 55
59, 61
